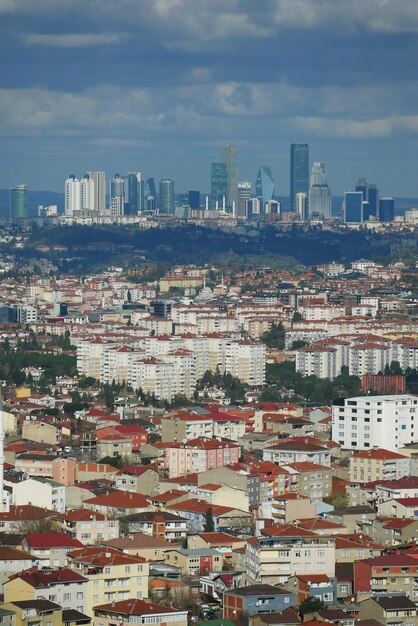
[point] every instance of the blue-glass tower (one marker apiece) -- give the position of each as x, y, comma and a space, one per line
386, 210
264, 186
353, 206
299, 171
218, 183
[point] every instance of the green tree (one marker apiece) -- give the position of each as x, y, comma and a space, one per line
274, 338
311, 605
209, 525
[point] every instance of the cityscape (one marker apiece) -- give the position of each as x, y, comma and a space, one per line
90, 199
208, 313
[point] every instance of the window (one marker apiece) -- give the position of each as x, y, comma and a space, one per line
127, 569
343, 588
67, 596
95, 599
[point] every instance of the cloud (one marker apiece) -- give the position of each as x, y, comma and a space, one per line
74, 40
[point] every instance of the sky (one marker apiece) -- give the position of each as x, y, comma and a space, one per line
158, 86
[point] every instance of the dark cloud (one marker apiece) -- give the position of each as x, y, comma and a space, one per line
158, 85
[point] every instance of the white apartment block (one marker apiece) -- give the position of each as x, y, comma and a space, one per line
386, 422
246, 360
369, 358
317, 360
314, 312
154, 377
272, 560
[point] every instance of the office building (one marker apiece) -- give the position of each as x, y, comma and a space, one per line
353, 206
244, 194
370, 195
134, 193
301, 206
299, 171
99, 182
19, 202
117, 196
150, 195
366, 422
386, 210
166, 200
72, 199
218, 184
229, 156
319, 193
194, 199
264, 186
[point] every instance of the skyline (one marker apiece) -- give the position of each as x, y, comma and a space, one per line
158, 87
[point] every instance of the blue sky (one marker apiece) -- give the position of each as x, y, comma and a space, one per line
159, 85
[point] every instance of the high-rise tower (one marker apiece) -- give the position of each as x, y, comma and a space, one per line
229, 156
19, 202
166, 200
218, 183
319, 193
244, 195
99, 182
264, 186
117, 196
370, 195
299, 171
72, 200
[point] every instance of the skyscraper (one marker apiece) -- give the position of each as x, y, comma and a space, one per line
301, 206
19, 202
370, 195
299, 171
353, 206
150, 195
244, 194
386, 210
264, 185
99, 181
194, 199
72, 199
319, 193
229, 156
218, 183
87, 200
134, 192
166, 200
117, 196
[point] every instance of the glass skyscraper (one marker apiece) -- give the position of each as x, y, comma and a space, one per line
353, 206
194, 199
218, 183
19, 202
371, 196
319, 193
299, 171
166, 200
264, 186
229, 156
386, 210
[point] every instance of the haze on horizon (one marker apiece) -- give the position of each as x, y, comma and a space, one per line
159, 85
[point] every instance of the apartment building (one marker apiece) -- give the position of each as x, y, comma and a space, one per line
378, 464
390, 573
185, 426
297, 450
309, 479
389, 610
88, 527
386, 422
317, 360
199, 455
272, 560
112, 575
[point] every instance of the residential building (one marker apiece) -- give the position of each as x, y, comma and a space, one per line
47, 493
390, 573
112, 575
199, 455
296, 450
88, 527
194, 561
158, 524
136, 611
39, 612
64, 586
374, 421
378, 464
254, 599
50, 549
390, 609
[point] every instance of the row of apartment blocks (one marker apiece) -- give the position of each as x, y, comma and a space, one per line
166, 366
362, 354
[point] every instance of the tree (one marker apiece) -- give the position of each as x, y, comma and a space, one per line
311, 605
209, 525
274, 338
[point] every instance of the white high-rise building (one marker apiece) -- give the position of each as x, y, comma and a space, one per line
365, 422
72, 201
99, 181
87, 199
319, 193
301, 204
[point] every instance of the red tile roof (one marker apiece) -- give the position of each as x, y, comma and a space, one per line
134, 607
51, 540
